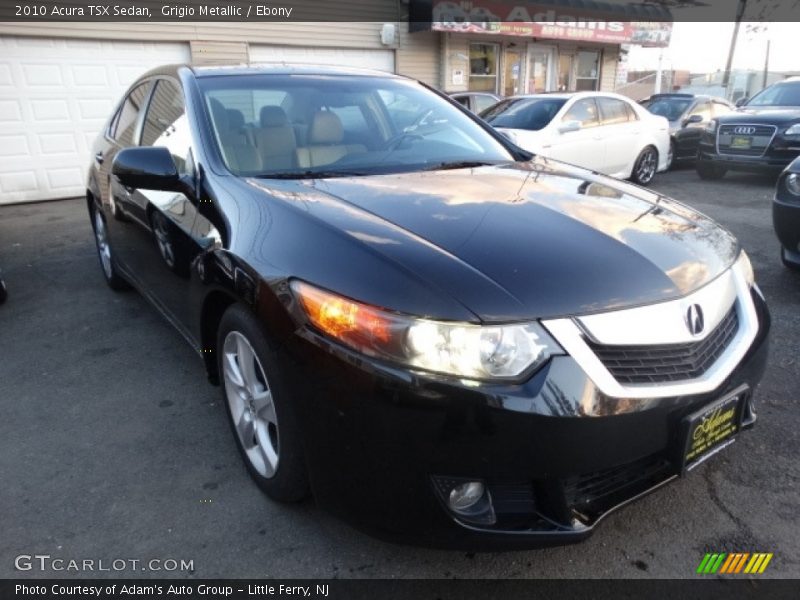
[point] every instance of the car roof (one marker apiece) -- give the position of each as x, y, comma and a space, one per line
277, 68
285, 68
686, 95
568, 95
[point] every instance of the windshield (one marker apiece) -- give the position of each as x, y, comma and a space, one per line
306, 125
671, 108
532, 114
780, 94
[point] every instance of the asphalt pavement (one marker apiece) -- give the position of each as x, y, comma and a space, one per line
114, 446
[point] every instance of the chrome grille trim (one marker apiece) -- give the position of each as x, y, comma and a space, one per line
745, 153
572, 337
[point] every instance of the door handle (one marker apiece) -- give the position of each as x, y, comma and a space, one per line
99, 158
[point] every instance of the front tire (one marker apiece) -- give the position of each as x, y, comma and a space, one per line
710, 172
258, 403
110, 273
645, 167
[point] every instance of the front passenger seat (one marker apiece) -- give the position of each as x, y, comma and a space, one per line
275, 139
325, 142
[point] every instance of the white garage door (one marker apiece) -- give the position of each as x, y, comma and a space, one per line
55, 95
382, 60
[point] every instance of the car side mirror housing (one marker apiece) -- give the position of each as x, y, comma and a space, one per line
150, 168
741, 101
692, 119
568, 126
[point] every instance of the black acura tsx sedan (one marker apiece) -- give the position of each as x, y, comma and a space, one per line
444, 339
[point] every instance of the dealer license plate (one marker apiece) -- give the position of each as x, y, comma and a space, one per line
713, 427
741, 143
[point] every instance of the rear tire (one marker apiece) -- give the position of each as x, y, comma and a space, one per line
259, 406
710, 172
645, 167
110, 273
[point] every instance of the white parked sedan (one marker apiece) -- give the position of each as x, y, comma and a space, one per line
604, 132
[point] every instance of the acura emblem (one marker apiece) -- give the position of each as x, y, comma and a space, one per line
694, 319
744, 130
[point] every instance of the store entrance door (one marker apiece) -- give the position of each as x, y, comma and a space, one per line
540, 69
514, 75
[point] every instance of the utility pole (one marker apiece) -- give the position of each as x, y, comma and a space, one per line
657, 89
727, 76
766, 67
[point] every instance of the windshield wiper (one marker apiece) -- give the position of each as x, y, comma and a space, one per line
459, 164
312, 174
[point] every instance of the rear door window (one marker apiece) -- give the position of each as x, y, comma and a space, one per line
613, 111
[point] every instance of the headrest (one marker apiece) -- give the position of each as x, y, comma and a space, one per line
235, 118
273, 116
219, 114
326, 128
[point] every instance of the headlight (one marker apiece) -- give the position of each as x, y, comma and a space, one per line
460, 349
746, 268
793, 130
792, 183
711, 126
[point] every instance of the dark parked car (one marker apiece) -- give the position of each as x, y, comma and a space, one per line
786, 214
447, 341
477, 102
762, 136
688, 115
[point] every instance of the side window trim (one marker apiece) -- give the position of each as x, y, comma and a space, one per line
137, 133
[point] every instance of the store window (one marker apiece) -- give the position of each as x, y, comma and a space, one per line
587, 74
483, 67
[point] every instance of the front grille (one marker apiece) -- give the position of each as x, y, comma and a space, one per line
667, 362
600, 490
757, 138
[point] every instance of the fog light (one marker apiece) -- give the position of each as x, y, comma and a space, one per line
466, 495
793, 184
467, 500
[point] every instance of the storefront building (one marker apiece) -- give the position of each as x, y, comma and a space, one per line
523, 48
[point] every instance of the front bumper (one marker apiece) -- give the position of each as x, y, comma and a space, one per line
776, 158
556, 454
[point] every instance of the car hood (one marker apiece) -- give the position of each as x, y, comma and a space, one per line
551, 239
773, 115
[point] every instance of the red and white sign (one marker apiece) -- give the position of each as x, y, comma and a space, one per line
499, 18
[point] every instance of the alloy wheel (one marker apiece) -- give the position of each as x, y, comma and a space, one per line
103, 247
251, 404
646, 167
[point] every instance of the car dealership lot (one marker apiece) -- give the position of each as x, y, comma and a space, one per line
112, 444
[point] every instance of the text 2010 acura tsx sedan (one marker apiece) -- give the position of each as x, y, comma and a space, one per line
446, 340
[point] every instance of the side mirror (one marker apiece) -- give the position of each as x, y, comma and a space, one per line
568, 126
741, 101
150, 168
692, 119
